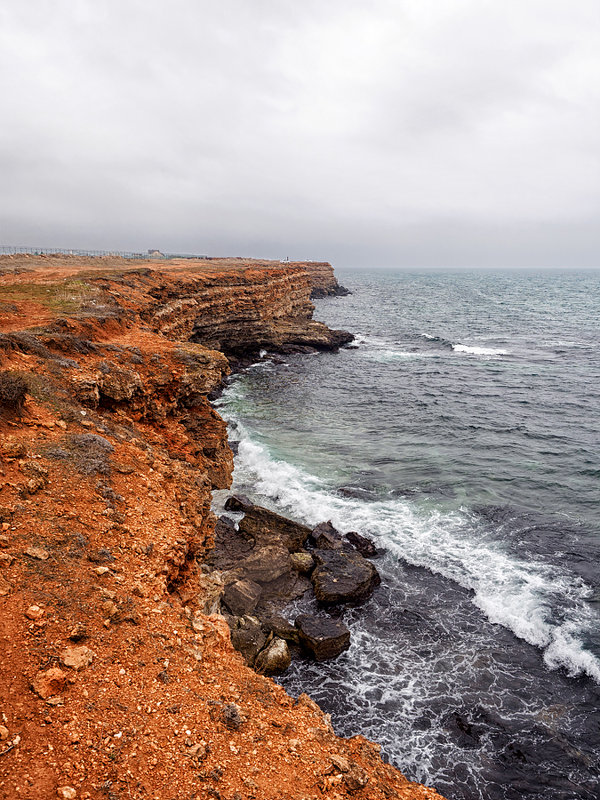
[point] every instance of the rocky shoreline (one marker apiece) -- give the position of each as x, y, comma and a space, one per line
117, 673
266, 562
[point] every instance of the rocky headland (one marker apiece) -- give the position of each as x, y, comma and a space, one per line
120, 593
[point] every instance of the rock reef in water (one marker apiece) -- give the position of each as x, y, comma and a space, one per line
117, 677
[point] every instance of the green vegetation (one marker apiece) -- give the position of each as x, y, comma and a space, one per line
66, 296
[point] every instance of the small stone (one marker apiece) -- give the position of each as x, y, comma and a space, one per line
231, 717
6, 559
101, 570
78, 657
38, 553
50, 682
4, 587
66, 793
197, 751
356, 779
34, 612
340, 763
78, 632
4, 733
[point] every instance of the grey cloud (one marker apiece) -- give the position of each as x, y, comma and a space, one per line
402, 133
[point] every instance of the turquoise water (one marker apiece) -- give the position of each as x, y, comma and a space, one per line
463, 433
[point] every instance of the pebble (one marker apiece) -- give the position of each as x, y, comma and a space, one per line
38, 553
66, 793
34, 612
3, 732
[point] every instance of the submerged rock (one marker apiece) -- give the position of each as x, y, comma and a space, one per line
324, 637
343, 576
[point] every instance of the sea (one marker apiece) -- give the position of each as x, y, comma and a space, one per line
461, 432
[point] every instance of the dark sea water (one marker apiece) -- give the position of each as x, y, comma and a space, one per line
463, 435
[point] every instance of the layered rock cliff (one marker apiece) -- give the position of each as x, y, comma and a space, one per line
117, 679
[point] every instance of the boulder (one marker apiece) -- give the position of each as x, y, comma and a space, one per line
343, 576
266, 526
238, 502
365, 546
280, 627
247, 637
266, 564
241, 597
326, 537
324, 637
302, 562
230, 545
274, 659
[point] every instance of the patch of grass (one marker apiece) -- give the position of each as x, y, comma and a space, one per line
66, 296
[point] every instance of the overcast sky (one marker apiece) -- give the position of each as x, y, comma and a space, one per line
382, 132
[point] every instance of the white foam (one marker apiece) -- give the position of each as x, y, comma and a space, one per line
539, 603
479, 351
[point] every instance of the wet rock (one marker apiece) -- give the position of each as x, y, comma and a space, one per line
49, 682
238, 502
247, 637
326, 537
324, 637
280, 627
363, 544
282, 591
265, 526
302, 562
231, 545
78, 657
274, 659
343, 577
266, 564
241, 597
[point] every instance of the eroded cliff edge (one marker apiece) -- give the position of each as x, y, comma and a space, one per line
116, 677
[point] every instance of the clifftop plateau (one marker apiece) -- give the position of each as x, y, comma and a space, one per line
117, 677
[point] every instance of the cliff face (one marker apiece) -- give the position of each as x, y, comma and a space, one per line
323, 280
117, 679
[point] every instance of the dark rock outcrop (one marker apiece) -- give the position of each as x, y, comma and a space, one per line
264, 526
241, 597
324, 637
326, 537
363, 544
342, 576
